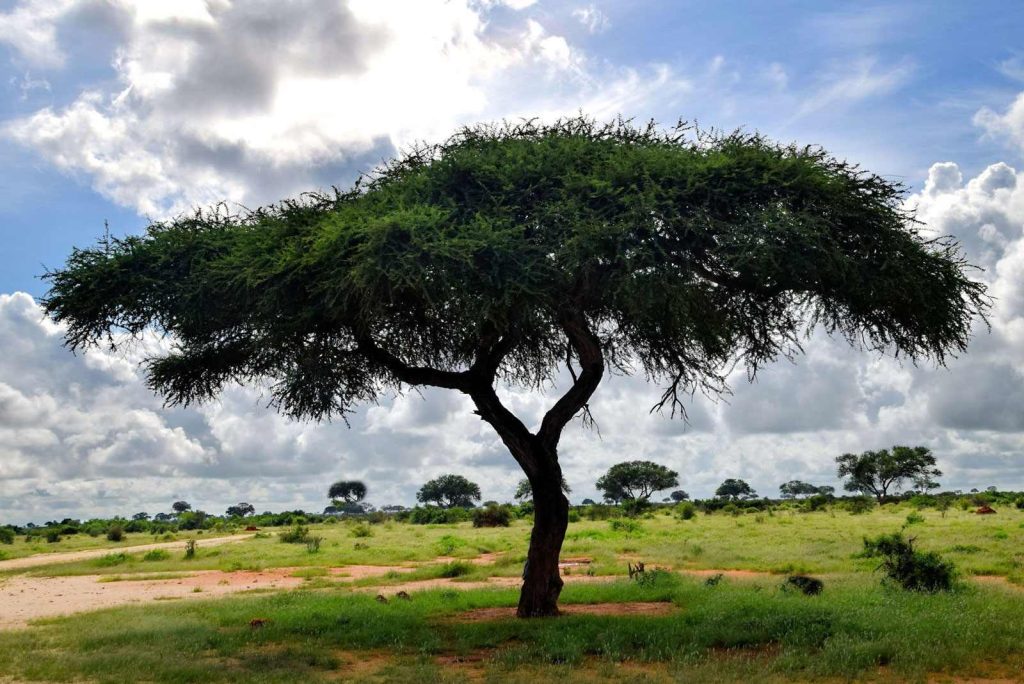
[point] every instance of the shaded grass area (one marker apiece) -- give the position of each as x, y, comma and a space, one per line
749, 630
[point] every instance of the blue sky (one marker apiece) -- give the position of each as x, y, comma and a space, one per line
129, 112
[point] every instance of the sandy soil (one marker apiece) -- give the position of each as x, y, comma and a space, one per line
72, 556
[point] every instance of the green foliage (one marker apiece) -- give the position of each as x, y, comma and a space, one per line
6, 535
456, 569
432, 515
111, 559
635, 507
909, 568
915, 519
361, 530
690, 249
449, 491
52, 536
492, 516
240, 510
297, 535
524, 490
881, 472
859, 505
349, 491
734, 490
625, 526
634, 480
313, 543
447, 544
190, 549
115, 533
156, 555
687, 511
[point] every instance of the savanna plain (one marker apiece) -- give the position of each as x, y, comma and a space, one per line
356, 600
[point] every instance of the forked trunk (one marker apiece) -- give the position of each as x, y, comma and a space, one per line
542, 582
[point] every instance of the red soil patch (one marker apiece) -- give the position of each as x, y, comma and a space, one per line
618, 609
985, 510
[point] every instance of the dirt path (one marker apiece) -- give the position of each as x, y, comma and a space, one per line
72, 556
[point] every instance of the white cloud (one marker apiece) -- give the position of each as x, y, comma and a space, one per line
1008, 126
593, 19
250, 102
852, 82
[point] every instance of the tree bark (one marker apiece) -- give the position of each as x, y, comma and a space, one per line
542, 581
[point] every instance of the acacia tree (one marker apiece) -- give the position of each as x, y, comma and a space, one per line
509, 253
240, 510
524, 491
180, 507
349, 491
734, 489
449, 491
797, 488
635, 480
885, 470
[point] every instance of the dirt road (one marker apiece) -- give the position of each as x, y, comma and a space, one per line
72, 556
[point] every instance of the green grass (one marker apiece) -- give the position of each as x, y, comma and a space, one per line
732, 631
83, 542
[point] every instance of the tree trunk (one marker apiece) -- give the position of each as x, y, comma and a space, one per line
542, 582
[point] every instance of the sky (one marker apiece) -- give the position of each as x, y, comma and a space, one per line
119, 113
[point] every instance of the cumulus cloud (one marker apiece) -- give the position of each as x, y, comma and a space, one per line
252, 101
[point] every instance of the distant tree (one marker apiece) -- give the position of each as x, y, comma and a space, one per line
588, 502
163, 517
797, 488
633, 480
180, 507
524, 491
880, 472
140, 516
449, 491
240, 510
678, 495
990, 488
735, 489
826, 490
349, 491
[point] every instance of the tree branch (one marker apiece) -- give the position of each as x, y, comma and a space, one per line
588, 350
519, 440
413, 375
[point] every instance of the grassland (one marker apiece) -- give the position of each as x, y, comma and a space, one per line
742, 629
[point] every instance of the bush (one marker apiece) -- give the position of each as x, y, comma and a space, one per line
52, 536
599, 512
732, 509
656, 578
574, 516
361, 531
629, 527
455, 569
6, 535
447, 544
815, 503
1020, 503
156, 555
297, 535
909, 568
111, 559
915, 519
115, 533
635, 507
809, 586
687, 511
492, 516
313, 544
860, 504
190, 549
432, 515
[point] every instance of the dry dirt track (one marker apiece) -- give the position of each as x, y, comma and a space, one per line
72, 556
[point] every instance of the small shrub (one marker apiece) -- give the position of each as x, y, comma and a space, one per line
115, 533
965, 548
656, 578
628, 527
111, 559
574, 516
190, 549
915, 519
313, 544
1001, 534
859, 505
156, 555
492, 516
1019, 504
361, 531
909, 568
714, 580
447, 544
52, 536
296, 535
6, 535
599, 512
687, 511
359, 546
809, 586
455, 569
635, 507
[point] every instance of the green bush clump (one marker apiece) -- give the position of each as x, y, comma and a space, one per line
361, 531
6, 535
635, 507
455, 569
915, 519
909, 568
574, 516
156, 555
626, 526
859, 505
111, 559
599, 512
190, 549
432, 515
687, 511
52, 536
296, 535
492, 516
313, 544
447, 544
115, 533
